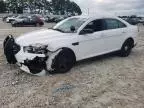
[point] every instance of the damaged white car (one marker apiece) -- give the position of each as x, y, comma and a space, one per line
73, 39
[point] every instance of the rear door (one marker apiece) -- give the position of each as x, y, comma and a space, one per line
114, 34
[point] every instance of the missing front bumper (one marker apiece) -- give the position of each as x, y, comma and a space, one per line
26, 69
36, 65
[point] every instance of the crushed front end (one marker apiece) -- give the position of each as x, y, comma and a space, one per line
28, 62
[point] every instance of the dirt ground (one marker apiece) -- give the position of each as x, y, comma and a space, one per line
102, 82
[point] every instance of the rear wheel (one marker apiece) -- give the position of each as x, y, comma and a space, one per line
37, 25
13, 25
126, 48
63, 62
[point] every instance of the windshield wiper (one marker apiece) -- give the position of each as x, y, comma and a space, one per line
58, 30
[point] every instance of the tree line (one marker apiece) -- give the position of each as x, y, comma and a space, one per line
59, 7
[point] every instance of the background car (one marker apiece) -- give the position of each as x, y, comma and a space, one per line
10, 19
56, 18
40, 16
133, 21
5, 17
49, 19
59, 18
141, 21
28, 21
20, 18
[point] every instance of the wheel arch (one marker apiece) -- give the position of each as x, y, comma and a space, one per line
130, 39
69, 49
53, 64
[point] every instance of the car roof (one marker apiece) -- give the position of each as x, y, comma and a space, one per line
99, 16
95, 16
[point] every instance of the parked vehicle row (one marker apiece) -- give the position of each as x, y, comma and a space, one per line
54, 18
35, 20
24, 20
28, 21
134, 21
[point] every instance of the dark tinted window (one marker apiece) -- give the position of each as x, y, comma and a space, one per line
121, 25
96, 25
114, 24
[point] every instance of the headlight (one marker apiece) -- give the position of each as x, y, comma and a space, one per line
36, 49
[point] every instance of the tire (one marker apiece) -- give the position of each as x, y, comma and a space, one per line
126, 48
37, 25
13, 25
63, 62
4, 19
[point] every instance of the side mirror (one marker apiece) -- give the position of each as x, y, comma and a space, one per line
86, 31
72, 28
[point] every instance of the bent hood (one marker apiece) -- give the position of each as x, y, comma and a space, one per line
43, 36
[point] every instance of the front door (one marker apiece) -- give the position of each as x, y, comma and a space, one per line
91, 44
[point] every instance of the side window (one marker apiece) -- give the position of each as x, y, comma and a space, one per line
121, 25
96, 25
113, 24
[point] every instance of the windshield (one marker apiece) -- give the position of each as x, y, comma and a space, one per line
66, 26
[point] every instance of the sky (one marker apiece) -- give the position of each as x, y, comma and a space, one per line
116, 7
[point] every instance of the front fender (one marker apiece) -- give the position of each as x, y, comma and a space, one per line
72, 48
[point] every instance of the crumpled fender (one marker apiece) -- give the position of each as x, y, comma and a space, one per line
52, 55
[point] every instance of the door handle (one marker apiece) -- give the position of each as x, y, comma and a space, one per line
75, 44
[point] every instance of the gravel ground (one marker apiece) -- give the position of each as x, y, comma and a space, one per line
102, 82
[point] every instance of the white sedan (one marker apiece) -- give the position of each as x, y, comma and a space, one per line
73, 39
10, 19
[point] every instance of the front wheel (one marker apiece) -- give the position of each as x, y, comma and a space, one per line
63, 62
126, 49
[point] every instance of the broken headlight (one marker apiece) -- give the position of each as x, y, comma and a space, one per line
36, 49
